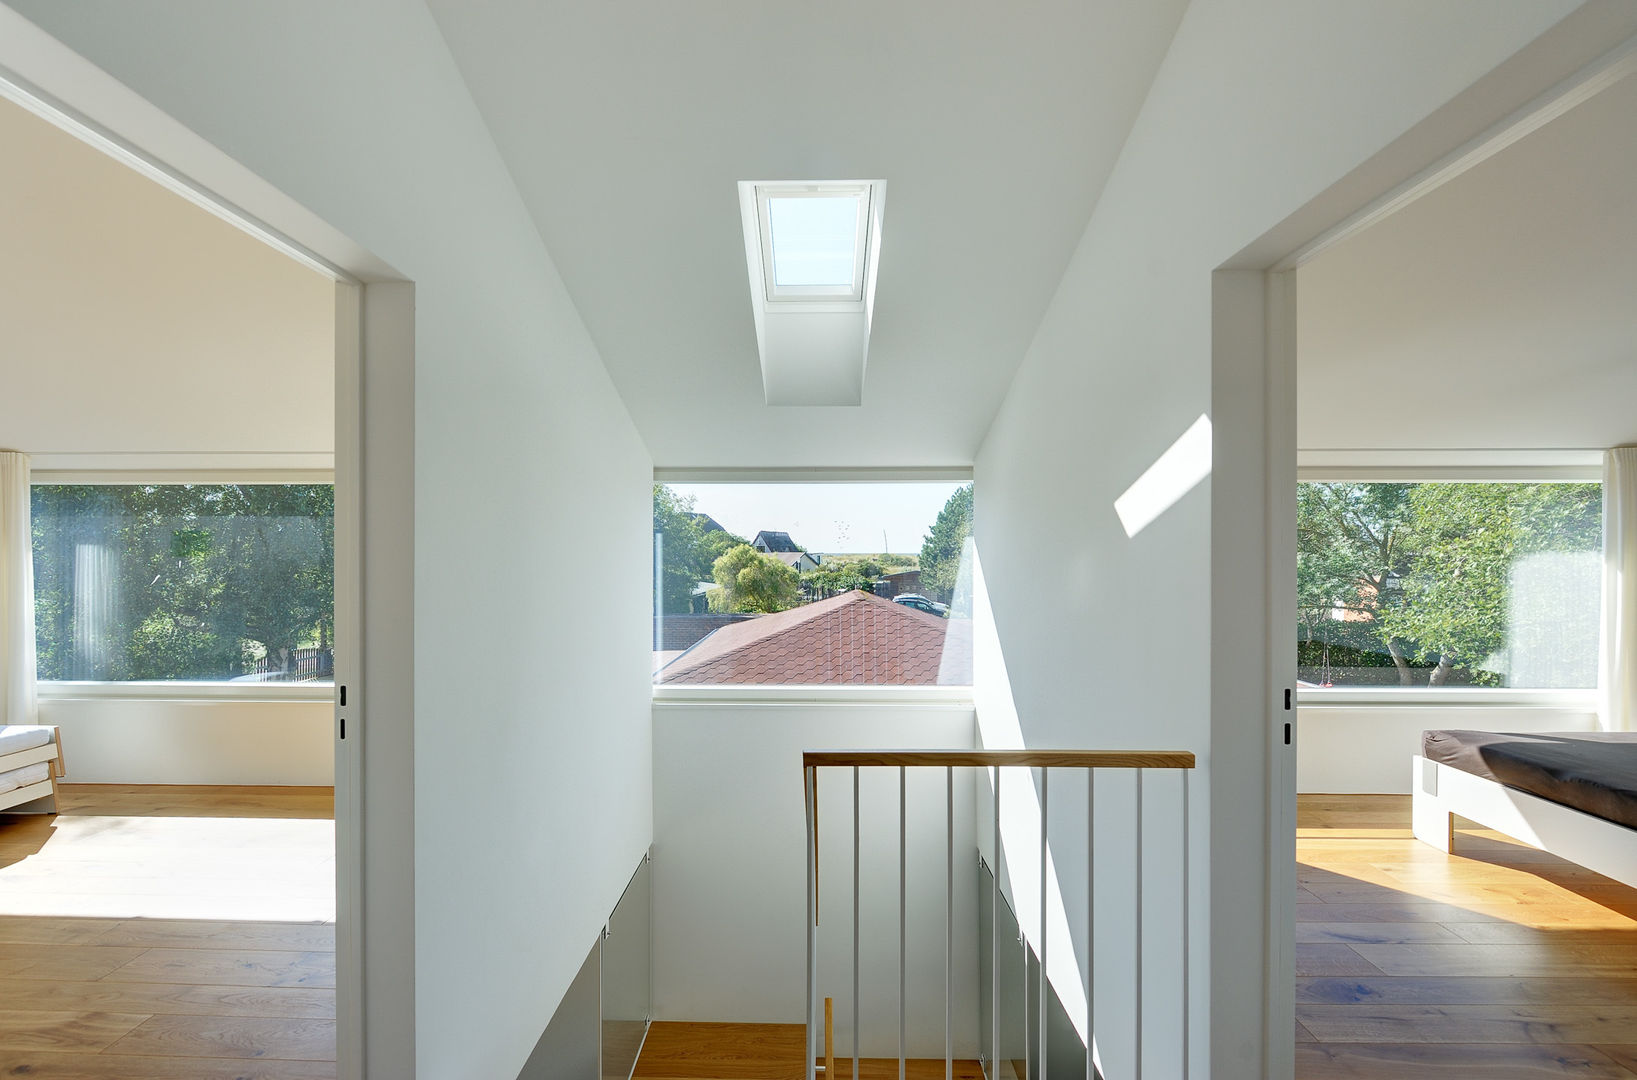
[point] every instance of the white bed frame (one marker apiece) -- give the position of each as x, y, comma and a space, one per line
45, 789
1441, 792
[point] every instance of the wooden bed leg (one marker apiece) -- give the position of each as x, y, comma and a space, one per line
1430, 820
57, 770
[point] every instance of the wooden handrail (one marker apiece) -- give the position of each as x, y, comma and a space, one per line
1053, 759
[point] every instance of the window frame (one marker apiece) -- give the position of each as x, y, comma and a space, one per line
179, 689
817, 694
852, 293
1456, 467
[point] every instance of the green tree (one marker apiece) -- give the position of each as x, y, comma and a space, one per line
1349, 559
753, 582
1425, 572
941, 550
688, 548
838, 575
1467, 538
182, 581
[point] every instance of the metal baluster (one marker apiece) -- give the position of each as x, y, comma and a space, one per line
903, 922
1045, 983
994, 945
1091, 923
812, 921
949, 924
1138, 1072
855, 924
1186, 774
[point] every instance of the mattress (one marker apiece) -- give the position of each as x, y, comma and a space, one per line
28, 774
1593, 772
18, 737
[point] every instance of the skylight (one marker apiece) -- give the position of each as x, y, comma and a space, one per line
813, 251
814, 239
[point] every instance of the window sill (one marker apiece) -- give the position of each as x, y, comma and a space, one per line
185, 691
817, 694
1455, 697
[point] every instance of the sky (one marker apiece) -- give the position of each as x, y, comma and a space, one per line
827, 518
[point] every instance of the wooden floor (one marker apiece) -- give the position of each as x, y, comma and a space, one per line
169, 933
1494, 963
760, 1052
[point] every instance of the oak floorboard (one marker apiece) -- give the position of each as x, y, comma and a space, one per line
1536, 1024
229, 967
49, 1065
88, 1032
169, 934
1451, 1061
201, 934
62, 961
1465, 990
1332, 960
1373, 933
715, 1051
230, 1037
1626, 1055
178, 999
1517, 961
1497, 962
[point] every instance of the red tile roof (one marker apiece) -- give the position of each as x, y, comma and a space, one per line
852, 638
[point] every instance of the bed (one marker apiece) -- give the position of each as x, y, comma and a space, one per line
31, 761
1573, 794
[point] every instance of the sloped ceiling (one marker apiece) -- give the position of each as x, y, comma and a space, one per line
1497, 312
134, 322
627, 123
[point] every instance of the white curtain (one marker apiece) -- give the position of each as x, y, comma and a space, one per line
1617, 665
17, 697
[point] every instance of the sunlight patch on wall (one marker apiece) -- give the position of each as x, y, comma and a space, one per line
1177, 472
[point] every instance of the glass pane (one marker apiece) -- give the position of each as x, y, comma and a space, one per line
1015, 996
780, 584
626, 963
1448, 584
210, 582
815, 239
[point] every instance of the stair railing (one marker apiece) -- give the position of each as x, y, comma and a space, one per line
1138, 761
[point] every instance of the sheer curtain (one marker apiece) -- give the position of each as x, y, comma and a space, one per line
17, 699
1618, 664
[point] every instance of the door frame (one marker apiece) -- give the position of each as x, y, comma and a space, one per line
1254, 374
374, 399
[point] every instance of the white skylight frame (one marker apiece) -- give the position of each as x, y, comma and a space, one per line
813, 341
864, 192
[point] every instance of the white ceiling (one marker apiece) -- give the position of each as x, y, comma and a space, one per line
1498, 311
135, 322
626, 124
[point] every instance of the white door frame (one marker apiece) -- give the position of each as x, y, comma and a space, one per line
1254, 388
374, 396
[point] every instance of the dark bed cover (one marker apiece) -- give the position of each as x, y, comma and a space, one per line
1594, 772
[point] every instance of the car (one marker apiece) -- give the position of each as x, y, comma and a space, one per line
921, 603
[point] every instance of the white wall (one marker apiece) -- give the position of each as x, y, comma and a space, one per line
1258, 108
154, 741
730, 884
136, 322
1364, 749
531, 677
1493, 312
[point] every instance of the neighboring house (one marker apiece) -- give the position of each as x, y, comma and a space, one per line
772, 543
904, 581
707, 523
678, 633
852, 638
800, 561
699, 599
